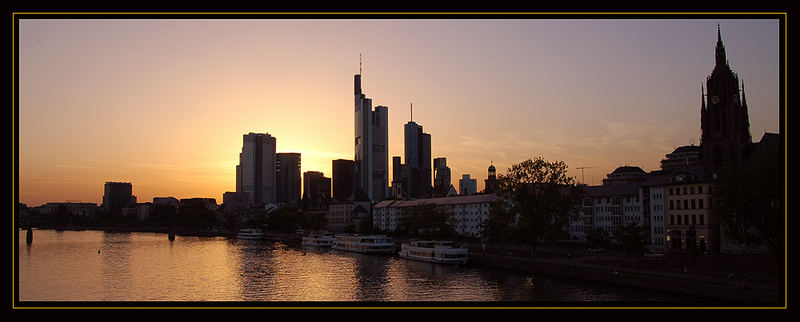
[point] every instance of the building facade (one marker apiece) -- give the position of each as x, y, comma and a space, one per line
467, 186
371, 161
468, 212
256, 172
117, 195
343, 175
287, 178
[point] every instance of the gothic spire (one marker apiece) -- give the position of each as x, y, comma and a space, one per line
720, 50
744, 99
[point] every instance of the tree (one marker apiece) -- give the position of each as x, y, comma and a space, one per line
426, 221
749, 199
632, 238
542, 197
500, 226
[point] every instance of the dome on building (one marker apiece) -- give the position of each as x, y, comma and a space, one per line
628, 170
491, 168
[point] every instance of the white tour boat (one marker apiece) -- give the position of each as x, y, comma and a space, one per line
375, 244
437, 251
318, 240
250, 233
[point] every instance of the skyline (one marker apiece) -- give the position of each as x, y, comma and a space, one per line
591, 93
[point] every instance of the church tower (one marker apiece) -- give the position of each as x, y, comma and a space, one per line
724, 122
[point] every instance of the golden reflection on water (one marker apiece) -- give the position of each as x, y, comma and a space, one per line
100, 266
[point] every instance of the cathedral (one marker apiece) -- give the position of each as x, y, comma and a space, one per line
724, 122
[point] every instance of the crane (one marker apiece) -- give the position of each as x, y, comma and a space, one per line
581, 168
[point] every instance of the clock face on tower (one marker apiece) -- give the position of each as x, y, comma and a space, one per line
715, 99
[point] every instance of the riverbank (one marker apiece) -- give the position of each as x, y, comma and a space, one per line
717, 289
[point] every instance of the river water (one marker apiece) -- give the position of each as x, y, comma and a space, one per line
90, 266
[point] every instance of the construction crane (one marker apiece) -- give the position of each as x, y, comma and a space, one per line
581, 168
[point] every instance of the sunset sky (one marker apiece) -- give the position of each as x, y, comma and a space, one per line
163, 103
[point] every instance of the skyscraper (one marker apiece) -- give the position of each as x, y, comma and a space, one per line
343, 174
418, 161
288, 178
255, 174
316, 185
371, 159
117, 195
724, 120
441, 176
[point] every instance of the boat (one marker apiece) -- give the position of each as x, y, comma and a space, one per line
437, 251
318, 240
373, 244
250, 233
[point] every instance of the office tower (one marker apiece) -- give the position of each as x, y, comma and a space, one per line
288, 178
117, 195
371, 146
467, 186
441, 173
418, 161
724, 122
343, 174
255, 174
316, 185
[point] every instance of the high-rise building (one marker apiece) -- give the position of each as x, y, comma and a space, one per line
467, 186
255, 174
724, 121
117, 195
441, 177
418, 161
371, 160
316, 185
343, 174
288, 178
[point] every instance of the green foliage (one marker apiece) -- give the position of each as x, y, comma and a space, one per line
598, 238
749, 202
543, 198
289, 219
426, 221
632, 237
500, 225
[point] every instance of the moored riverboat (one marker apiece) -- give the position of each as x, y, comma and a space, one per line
437, 251
318, 240
250, 233
373, 244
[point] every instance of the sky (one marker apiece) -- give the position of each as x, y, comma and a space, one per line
164, 103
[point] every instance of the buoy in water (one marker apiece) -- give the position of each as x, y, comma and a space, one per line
29, 236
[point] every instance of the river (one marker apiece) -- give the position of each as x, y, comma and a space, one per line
97, 266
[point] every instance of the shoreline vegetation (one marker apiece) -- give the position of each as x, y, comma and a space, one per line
722, 280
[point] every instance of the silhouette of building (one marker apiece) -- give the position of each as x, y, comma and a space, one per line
724, 120
288, 178
371, 162
490, 184
417, 170
117, 195
441, 177
255, 174
467, 186
343, 175
468, 212
316, 187
687, 156
625, 175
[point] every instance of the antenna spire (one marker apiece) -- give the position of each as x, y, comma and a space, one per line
359, 64
412, 111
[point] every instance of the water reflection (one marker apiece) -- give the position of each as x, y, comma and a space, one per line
66, 265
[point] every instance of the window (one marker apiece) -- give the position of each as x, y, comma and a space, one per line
670, 191
702, 220
693, 204
679, 219
700, 203
686, 219
671, 205
700, 189
685, 204
684, 190
694, 219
